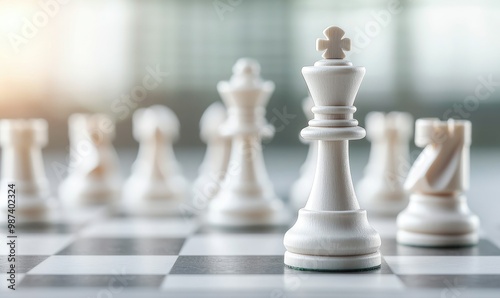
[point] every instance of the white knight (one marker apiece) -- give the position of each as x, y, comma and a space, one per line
437, 214
94, 177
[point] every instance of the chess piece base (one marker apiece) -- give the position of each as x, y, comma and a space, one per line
75, 193
333, 263
207, 187
386, 208
154, 198
153, 208
33, 203
332, 240
429, 240
431, 220
384, 204
381, 198
31, 211
246, 212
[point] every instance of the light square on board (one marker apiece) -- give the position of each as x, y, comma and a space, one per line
39, 244
286, 282
485, 247
222, 281
339, 281
445, 265
453, 283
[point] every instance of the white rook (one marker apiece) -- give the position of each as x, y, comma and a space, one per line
381, 190
332, 232
22, 165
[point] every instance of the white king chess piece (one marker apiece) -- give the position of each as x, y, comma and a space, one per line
437, 214
156, 186
302, 187
332, 232
24, 186
94, 177
381, 190
214, 165
246, 197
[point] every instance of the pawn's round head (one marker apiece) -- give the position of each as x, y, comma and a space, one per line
156, 121
246, 73
211, 120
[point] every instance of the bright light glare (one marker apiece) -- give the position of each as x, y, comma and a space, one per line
12, 14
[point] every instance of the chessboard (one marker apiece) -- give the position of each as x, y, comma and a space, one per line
93, 253
100, 255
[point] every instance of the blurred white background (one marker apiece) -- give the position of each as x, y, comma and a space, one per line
425, 57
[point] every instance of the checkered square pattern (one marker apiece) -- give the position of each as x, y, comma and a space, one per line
182, 254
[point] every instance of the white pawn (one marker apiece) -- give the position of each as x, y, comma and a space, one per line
381, 190
94, 177
331, 231
302, 187
24, 186
214, 166
437, 214
246, 197
155, 186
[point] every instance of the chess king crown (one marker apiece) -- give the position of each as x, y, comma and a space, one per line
333, 83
